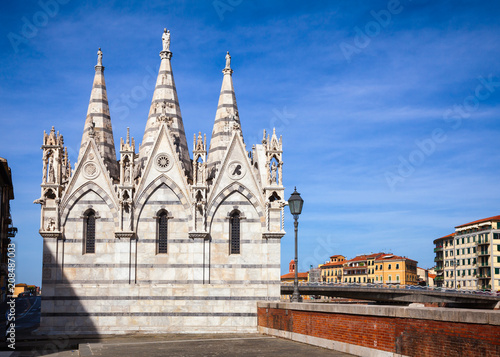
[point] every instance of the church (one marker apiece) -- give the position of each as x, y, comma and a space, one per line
156, 239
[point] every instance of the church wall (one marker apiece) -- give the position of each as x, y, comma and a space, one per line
126, 286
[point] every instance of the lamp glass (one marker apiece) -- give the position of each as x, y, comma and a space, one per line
295, 203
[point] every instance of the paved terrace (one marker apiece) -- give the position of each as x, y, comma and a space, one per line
172, 345
399, 294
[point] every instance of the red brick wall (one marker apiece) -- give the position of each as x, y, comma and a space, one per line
411, 337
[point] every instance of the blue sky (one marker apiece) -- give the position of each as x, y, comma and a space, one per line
389, 110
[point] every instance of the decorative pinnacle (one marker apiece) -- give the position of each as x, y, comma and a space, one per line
128, 136
99, 65
227, 69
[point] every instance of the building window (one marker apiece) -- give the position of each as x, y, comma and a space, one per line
397, 266
161, 232
397, 278
89, 230
389, 268
234, 233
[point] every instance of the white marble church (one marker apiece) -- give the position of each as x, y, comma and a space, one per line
159, 240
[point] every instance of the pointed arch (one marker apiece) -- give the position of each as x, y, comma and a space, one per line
228, 191
142, 198
67, 205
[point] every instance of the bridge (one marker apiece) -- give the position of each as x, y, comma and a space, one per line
399, 294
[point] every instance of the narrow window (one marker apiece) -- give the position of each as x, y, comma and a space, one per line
162, 232
234, 233
90, 232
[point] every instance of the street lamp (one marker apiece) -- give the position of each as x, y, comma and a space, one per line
295, 203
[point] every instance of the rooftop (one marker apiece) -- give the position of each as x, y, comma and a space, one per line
494, 218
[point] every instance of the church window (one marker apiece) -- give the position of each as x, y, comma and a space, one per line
162, 232
234, 233
89, 230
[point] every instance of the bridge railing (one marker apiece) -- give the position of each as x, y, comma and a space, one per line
399, 286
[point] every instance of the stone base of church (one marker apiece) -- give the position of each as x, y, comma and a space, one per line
144, 308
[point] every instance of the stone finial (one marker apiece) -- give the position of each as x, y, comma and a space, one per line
228, 60
227, 69
99, 57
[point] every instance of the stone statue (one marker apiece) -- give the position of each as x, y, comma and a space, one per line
274, 168
127, 173
51, 170
92, 130
166, 40
228, 60
51, 226
99, 57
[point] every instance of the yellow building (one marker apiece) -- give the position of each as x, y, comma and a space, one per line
394, 269
331, 271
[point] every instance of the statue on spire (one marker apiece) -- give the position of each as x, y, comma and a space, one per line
166, 40
99, 57
228, 61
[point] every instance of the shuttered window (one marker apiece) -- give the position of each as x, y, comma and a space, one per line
234, 233
90, 232
162, 232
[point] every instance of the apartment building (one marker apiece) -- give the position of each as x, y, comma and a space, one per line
469, 258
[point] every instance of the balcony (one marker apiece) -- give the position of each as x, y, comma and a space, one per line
483, 264
438, 259
439, 278
438, 249
483, 242
484, 276
439, 268
482, 252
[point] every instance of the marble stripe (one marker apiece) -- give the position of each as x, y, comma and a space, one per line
102, 101
124, 313
166, 282
143, 265
133, 298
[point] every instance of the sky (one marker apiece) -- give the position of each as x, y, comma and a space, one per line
389, 110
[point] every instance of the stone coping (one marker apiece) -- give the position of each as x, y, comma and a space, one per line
471, 316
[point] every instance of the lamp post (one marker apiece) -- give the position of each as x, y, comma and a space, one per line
295, 203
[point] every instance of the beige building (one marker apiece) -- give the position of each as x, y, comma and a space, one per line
469, 258
159, 240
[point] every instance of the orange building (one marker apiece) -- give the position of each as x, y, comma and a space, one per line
290, 276
331, 271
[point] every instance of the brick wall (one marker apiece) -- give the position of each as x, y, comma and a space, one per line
395, 330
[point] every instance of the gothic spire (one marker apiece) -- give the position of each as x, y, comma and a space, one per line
165, 109
227, 118
98, 122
